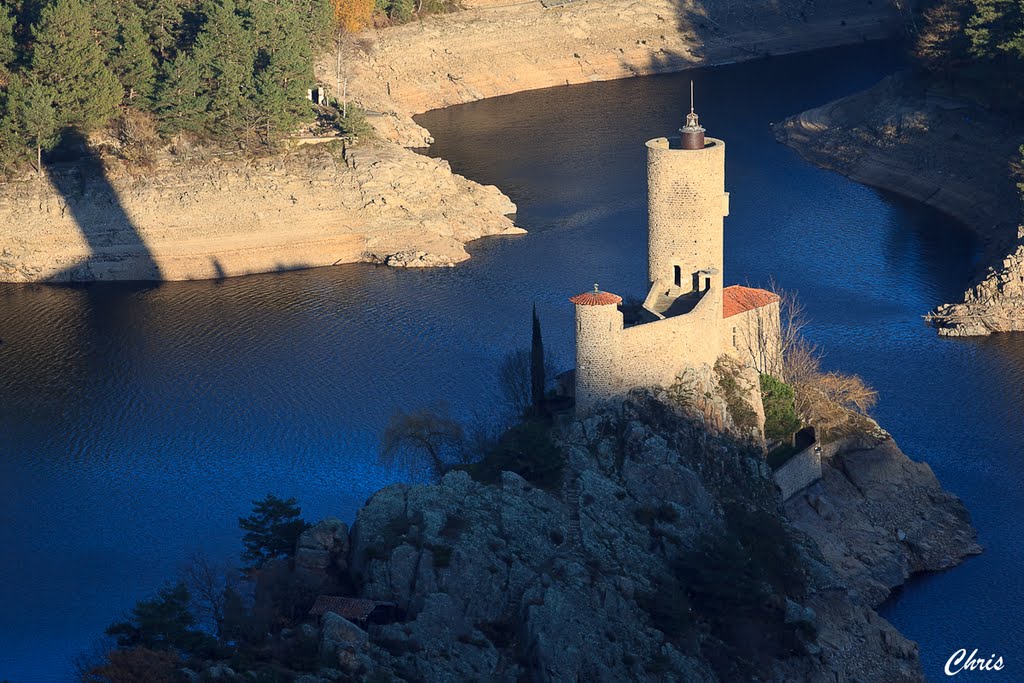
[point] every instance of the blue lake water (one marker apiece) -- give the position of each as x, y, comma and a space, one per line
137, 423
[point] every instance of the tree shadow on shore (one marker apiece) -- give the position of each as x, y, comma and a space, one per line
117, 250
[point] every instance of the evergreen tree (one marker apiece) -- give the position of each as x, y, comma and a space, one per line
537, 379
104, 23
285, 71
67, 59
162, 19
161, 623
178, 104
8, 46
132, 61
224, 53
272, 530
33, 120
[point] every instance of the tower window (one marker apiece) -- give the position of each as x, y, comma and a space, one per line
678, 275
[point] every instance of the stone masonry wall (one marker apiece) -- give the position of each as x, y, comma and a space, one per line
686, 204
754, 337
598, 336
799, 472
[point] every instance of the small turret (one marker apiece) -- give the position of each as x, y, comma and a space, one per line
598, 326
692, 132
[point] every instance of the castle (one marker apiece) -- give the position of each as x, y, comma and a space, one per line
688, 317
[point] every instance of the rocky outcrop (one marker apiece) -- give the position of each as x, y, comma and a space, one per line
321, 554
927, 143
216, 217
996, 304
664, 555
878, 517
489, 51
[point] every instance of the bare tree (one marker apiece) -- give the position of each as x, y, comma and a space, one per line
424, 442
515, 379
768, 333
208, 583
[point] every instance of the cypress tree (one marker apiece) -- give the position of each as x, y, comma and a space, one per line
67, 59
132, 61
537, 379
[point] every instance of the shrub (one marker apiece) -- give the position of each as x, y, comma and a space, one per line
743, 415
526, 449
780, 418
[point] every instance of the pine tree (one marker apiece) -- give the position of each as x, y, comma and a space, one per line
224, 53
30, 107
285, 71
66, 58
104, 24
8, 47
272, 530
178, 104
161, 19
537, 379
132, 61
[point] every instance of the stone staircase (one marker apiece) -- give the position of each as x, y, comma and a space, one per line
571, 495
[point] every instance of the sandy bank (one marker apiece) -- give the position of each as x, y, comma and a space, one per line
217, 217
932, 146
490, 51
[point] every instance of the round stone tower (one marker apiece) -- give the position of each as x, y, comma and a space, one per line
686, 202
598, 330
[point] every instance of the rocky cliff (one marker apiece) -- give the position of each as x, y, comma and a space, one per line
212, 217
933, 145
996, 304
664, 555
496, 50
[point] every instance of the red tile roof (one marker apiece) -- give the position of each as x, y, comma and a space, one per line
738, 299
596, 298
353, 609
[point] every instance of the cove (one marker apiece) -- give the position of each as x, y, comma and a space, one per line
136, 424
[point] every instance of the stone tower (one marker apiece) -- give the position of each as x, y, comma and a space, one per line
686, 202
598, 328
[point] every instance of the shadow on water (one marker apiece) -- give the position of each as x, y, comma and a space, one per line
117, 250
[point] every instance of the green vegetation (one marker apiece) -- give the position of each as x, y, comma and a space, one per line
272, 530
743, 415
164, 622
780, 418
526, 449
223, 71
978, 44
734, 585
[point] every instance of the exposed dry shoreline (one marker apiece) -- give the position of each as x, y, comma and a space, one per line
931, 145
213, 217
218, 217
487, 52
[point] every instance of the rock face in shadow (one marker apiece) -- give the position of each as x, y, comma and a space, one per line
927, 143
220, 216
665, 555
879, 517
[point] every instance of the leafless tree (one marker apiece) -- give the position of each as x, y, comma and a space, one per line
208, 583
514, 379
768, 334
427, 441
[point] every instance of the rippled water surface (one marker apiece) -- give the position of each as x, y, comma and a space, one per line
136, 424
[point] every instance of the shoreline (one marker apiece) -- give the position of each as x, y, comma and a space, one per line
930, 145
211, 219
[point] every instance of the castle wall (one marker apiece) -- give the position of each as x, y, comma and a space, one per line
655, 353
